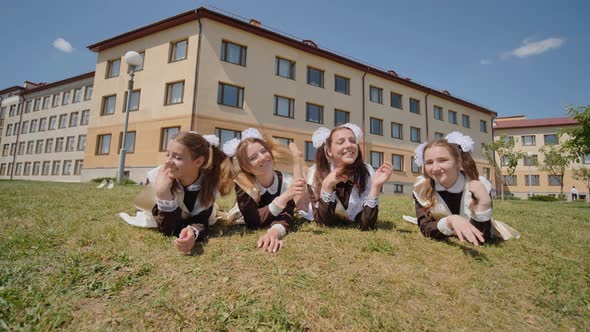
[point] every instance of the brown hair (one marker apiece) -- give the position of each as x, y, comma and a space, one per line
242, 172
357, 170
464, 158
216, 167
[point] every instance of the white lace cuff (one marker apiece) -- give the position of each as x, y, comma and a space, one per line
275, 208
167, 206
483, 215
196, 232
444, 228
280, 228
371, 202
327, 197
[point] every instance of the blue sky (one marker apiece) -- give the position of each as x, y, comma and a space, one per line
515, 57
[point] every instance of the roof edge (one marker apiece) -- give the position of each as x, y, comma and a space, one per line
57, 83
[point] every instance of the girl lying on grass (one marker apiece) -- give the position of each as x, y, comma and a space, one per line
343, 188
186, 185
264, 196
451, 199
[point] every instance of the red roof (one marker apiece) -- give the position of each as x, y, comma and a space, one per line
547, 122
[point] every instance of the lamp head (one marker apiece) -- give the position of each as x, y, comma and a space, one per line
133, 58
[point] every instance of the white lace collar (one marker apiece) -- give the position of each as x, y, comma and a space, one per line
456, 188
273, 187
195, 186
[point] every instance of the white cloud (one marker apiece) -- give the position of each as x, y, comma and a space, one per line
530, 48
485, 61
63, 45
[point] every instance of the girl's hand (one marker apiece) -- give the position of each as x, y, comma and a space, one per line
465, 230
297, 187
270, 241
382, 174
335, 177
186, 240
164, 181
481, 195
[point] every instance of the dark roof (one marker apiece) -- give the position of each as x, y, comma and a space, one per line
526, 123
12, 88
62, 82
301, 45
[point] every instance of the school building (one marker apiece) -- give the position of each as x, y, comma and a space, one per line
218, 74
530, 135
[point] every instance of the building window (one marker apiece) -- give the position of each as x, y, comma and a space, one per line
178, 50
59, 144
342, 84
398, 188
465, 121
529, 140
414, 106
284, 140
230, 95
66, 98
56, 167
21, 148
486, 172
73, 119
503, 161
226, 135
376, 126
36, 106
45, 102
33, 126
56, 100
36, 166
438, 113
376, 94
112, 68
19, 169
108, 105
27, 168
531, 180
27, 107
9, 130
551, 139
49, 145
16, 128
174, 93
483, 126
509, 180
438, 135
70, 143
396, 100
12, 149
39, 148
166, 135
314, 113
530, 160
88, 92
586, 159
376, 159
315, 77
415, 167
129, 142
67, 170
554, 180
45, 169
30, 147
25, 127
309, 151
341, 117
233, 53
134, 102
285, 68
81, 142
85, 118
284, 106
63, 121
103, 144
415, 135
78, 167
77, 95
52, 123
452, 117
398, 162
2, 169
5, 150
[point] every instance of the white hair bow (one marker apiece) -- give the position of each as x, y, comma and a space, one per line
464, 141
321, 134
230, 147
211, 139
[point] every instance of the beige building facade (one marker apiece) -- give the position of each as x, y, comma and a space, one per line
47, 138
212, 73
530, 136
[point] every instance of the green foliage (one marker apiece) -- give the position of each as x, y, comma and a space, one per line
583, 174
578, 143
555, 162
504, 147
543, 198
125, 181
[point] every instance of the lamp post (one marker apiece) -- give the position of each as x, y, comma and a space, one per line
133, 60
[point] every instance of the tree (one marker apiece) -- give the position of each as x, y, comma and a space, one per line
583, 173
578, 143
555, 162
504, 148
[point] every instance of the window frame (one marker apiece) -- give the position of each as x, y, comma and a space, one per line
419, 134
172, 53
166, 129
243, 53
292, 68
436, 108
320, 110
346, 87
416, 102
401, 162
99, 143
380, 126
221, 92
110, 73
291, 107
346, 113
379, 92
321, 74
104, 104
169, 89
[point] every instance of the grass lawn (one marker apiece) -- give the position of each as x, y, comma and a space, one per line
67, 261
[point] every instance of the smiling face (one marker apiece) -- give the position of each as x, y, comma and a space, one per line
343, 148
441, 165
258, 159
181, 163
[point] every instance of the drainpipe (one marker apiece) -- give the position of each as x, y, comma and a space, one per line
196, 86
363, 120
20, 123
426, 114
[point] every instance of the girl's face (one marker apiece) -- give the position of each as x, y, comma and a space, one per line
180, 161
344, 148
441, 166
259, 159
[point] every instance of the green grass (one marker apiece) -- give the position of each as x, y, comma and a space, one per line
68, 262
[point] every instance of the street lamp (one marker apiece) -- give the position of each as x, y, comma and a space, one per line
133, 60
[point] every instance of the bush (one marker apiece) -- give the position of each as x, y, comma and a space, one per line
543, 198
508, 198
125, 181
